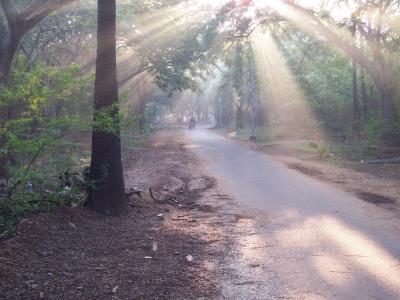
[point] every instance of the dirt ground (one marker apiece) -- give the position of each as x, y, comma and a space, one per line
375, 183
158, 251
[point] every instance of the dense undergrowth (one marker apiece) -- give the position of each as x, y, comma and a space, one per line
45, 137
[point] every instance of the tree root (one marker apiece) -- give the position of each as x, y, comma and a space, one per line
172, 200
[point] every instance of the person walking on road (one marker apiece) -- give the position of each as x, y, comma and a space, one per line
192, 123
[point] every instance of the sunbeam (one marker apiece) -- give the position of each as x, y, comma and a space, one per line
283, 98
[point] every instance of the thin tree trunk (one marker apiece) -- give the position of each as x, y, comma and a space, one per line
220, 123
107, 195
205, 114
356, 103
252, 96
199, 115
3, 158
239, 117
141, 106
388, 110
364, 96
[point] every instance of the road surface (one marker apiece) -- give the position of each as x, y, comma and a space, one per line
306, 239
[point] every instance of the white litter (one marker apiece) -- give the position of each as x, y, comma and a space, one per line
189, 258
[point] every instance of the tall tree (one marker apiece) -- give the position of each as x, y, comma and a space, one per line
377, 16
107, 193
17, 23
380, 66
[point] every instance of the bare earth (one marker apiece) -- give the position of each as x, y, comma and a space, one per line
77, 254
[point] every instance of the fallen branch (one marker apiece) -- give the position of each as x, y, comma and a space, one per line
152, 196
172, 200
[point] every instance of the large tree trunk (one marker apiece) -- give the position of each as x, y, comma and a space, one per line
107, 195
8, 52
7, 55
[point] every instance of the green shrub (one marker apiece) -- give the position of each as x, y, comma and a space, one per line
43, 134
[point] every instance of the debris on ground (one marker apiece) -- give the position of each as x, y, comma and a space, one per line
189, 258
74, 253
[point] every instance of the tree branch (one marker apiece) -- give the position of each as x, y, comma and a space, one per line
10, 12
40, 12
138, 71
321, 28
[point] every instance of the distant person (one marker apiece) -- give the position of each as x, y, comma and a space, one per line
192, 123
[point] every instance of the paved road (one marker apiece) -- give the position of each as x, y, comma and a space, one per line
308, 240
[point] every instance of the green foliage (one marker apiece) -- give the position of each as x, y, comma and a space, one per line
326, 78
133, 136
40, 139
324, 75
180, 64
37, 192
107, 120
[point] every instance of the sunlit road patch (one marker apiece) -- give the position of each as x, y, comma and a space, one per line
307, 239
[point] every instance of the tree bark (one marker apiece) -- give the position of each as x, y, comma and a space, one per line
252, 95
107, 195
387, 96
8, 55
356, 103
364, 96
